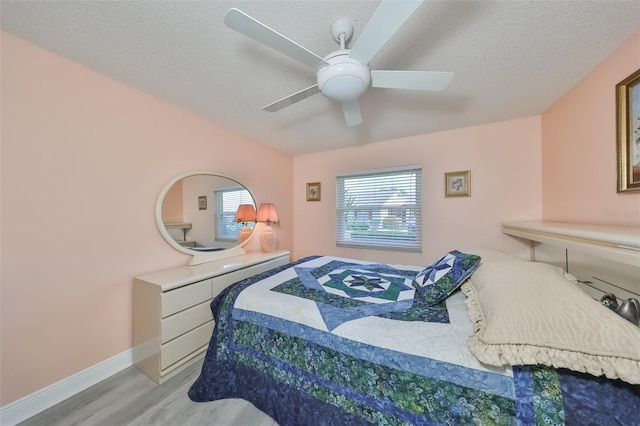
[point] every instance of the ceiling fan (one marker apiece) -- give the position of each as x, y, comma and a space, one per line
343, 75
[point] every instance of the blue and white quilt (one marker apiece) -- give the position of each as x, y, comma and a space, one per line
328, 340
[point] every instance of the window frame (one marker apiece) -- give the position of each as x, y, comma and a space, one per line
380, 221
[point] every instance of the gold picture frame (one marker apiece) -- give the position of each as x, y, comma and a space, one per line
202, 202
628, 132
457, 184
313, 191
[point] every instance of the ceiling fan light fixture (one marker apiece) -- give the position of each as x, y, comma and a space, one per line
344, 81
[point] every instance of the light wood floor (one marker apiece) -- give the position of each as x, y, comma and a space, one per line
131, 398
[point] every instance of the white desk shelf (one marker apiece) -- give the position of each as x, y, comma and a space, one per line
617, 243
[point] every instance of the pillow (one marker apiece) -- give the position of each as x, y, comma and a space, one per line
438, 280
533, 313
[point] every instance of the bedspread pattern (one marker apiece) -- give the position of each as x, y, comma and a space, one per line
306, 371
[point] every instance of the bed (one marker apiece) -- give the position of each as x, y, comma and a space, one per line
328, 340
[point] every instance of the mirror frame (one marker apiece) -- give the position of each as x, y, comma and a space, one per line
198, 258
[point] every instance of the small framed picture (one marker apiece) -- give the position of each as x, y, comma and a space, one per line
457, 184
202, 202
313, 191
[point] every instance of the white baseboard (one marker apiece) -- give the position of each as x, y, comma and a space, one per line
32, 404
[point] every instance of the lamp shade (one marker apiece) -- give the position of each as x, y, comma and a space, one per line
246, 213
267, 213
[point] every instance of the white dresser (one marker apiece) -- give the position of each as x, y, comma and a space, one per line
172, 320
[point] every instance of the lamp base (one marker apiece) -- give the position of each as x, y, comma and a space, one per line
244, 233
268, 240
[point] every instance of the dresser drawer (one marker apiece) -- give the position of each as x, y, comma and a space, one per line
180, 347
177, 324
184, 297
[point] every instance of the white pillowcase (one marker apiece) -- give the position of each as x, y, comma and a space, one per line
532, 313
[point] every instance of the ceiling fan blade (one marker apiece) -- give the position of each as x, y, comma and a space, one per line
352, 115
252, 28
292, 99
412, 80
385, 21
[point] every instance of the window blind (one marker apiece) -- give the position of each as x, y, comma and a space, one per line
380, 209
227, 202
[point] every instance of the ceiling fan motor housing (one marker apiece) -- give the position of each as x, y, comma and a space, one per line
344, 79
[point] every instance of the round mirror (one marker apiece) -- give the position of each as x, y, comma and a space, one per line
196, 215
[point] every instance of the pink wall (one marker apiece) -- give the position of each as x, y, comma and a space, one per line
504, 159
579, 148
83, 160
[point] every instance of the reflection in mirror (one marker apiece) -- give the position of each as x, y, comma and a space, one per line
245, 214
196, 212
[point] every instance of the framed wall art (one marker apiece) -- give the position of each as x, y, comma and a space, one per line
457, 184
202, 202
313, 191
628, 132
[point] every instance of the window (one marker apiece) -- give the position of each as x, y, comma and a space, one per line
380, 209
227, 202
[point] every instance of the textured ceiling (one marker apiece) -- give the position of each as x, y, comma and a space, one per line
510, 58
